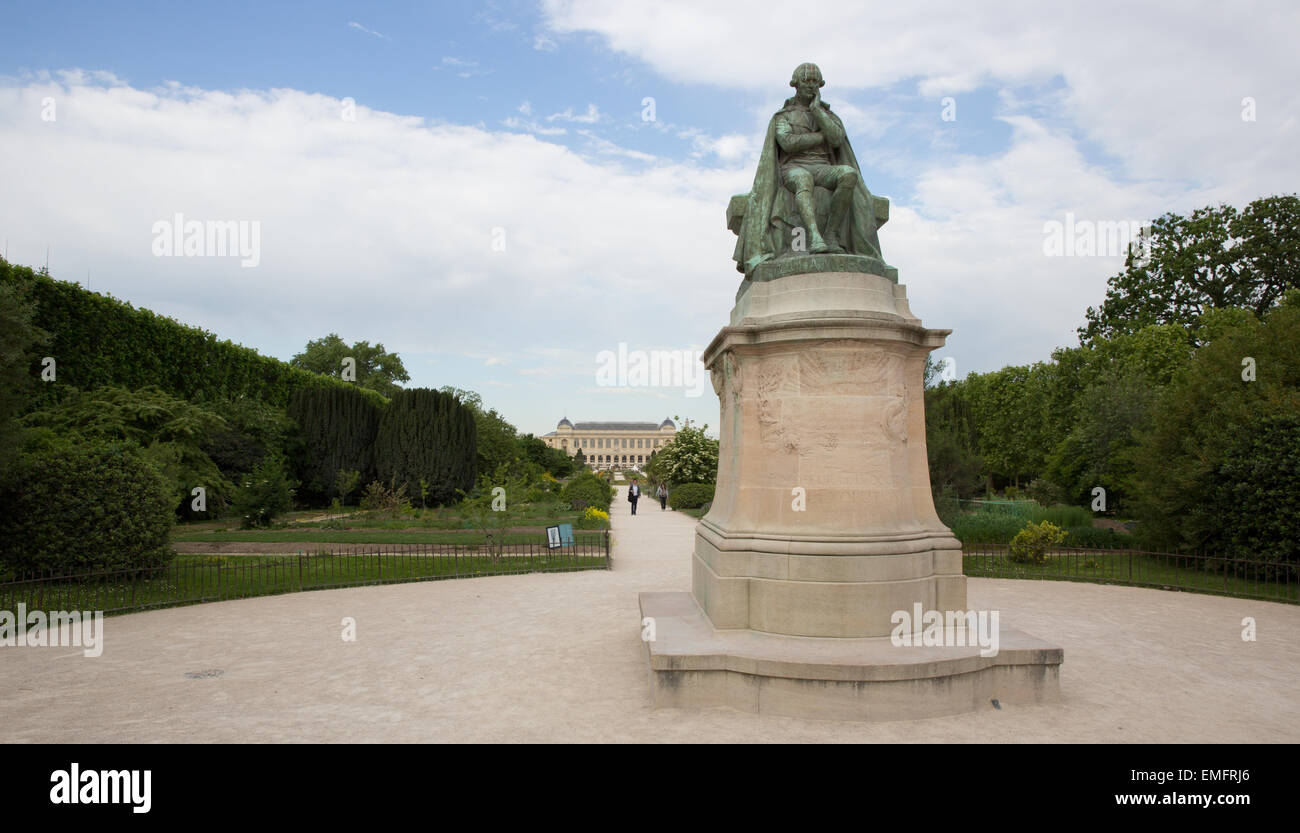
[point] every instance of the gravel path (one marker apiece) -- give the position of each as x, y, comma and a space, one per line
559, 658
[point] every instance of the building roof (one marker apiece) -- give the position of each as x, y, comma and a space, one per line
612, 426
616, 426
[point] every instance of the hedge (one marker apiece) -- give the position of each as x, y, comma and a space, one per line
99, 340
691, 495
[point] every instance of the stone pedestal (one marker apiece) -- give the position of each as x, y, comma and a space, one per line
823, 522
823, 525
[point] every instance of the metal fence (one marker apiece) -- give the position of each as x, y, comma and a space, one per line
1244, 578
193, 578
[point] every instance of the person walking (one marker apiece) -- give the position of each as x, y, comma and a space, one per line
633, 495
662, 494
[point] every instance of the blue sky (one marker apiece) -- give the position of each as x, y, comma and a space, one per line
526, 120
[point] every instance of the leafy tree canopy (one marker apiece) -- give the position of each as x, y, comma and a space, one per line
376, 368
1218, 257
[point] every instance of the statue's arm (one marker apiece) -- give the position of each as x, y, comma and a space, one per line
792, 142
830, 126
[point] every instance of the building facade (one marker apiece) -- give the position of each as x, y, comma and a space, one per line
611, 445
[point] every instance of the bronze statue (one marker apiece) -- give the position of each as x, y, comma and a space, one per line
806, 171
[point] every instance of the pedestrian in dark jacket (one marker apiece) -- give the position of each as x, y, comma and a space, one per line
662, 494
633, 495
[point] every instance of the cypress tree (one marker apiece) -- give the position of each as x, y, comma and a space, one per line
427, 434
337, 429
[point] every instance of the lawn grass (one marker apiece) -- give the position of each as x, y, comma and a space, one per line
301, 526
191, 579
356, 537
1137, 569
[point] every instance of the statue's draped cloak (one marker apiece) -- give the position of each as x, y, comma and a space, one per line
761, 238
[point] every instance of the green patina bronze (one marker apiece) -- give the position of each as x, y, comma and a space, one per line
808, 199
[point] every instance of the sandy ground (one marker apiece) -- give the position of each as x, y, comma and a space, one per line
559, 658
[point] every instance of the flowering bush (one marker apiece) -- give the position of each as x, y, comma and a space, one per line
1031, 544
593, 518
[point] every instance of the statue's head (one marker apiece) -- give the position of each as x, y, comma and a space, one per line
806, 80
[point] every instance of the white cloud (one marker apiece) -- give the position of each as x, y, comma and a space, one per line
1157, 86
531, 126
382, 227
1115, 112
590, 117
464, 68
353, 24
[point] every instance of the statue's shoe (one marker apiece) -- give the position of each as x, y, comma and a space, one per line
819, 247
833, 246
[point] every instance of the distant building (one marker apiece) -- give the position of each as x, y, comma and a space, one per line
612, 445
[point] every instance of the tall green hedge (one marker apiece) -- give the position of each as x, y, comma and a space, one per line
99, 340
337, 430
427, 434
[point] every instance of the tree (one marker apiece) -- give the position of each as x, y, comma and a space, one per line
18, 338
376, 368
337, 427
1010, 407
169, 431
690, 457
1206, 428
1218, 257
1254, 494
1106, 396
426, 434
265, 494
556, 461
498, 444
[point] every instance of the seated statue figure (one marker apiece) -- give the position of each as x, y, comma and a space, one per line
806, 169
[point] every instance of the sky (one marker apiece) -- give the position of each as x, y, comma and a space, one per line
507, 194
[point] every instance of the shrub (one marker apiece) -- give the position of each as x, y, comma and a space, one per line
593, 518
265, 494
691, 495
169, 431
385, 500
1095, 537
1031, 544
976, 528
1062, 516
1253, 497
344, 484
1045, 491
85, 508
588, 489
